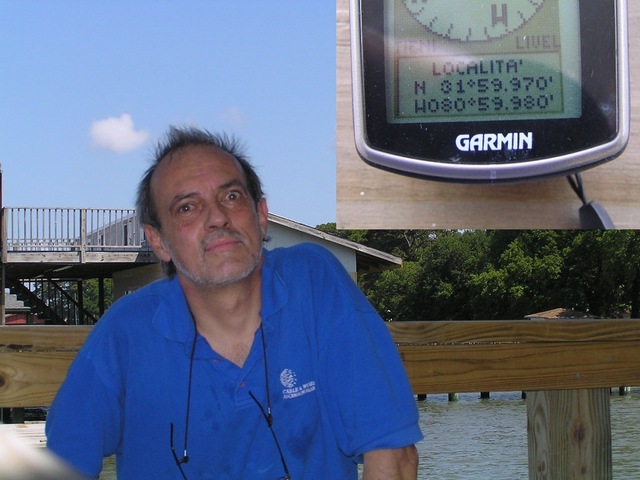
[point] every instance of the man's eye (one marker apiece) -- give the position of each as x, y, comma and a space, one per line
233, 196
185, 208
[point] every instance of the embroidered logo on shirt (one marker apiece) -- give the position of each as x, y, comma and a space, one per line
289, 380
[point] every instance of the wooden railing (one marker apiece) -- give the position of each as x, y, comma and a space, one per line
475, 356
70, 229
566, 367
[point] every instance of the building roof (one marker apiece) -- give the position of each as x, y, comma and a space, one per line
559, 313
367, 259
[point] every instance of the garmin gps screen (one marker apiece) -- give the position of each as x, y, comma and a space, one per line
455, 60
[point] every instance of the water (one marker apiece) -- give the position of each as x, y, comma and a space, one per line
474, 439
487, 439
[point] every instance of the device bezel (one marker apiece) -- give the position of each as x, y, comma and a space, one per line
562, 146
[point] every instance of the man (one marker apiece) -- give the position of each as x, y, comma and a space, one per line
243, 363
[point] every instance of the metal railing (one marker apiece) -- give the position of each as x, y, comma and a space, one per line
57, 302
27, 229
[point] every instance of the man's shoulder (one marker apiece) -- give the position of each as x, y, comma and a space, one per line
134, 315
150, 293
305, 260
311, 252
142, 302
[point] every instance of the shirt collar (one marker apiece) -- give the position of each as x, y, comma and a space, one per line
173, 318
274, 290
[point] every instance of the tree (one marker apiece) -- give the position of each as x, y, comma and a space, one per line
91, 295
505, 274
433, 282
524, 276
605, 268
395, 293
448, 262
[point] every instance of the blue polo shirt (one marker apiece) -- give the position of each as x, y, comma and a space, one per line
336, 384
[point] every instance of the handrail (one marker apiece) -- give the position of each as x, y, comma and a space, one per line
563, 365
500, 355
440, 357
38, 229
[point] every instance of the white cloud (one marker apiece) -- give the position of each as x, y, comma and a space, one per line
117, 134
234, 116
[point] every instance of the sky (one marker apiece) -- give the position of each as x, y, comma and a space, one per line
87, 87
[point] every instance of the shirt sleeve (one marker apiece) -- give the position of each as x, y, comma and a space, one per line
83, 424
364, 386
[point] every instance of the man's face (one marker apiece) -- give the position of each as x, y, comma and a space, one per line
210, 226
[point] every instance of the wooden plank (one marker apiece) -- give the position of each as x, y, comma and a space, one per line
34, 361
446, 357
516, 331
31, 434
31, 379
368, 197
508, 367
138, 255
42, 338
569, 434
43, 257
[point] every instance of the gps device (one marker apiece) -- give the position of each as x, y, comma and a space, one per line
489, 91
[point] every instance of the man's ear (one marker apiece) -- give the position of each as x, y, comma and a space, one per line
157, 243
263, 215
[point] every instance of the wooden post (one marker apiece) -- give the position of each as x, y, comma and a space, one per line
569, 433
83, 235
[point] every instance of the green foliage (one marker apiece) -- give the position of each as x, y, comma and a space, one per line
467, 275
91, 295
395, 294
606, 267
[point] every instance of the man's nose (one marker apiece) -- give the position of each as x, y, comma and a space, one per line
217, 215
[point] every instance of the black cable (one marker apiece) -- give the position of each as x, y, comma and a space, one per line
592, 214
576, 184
